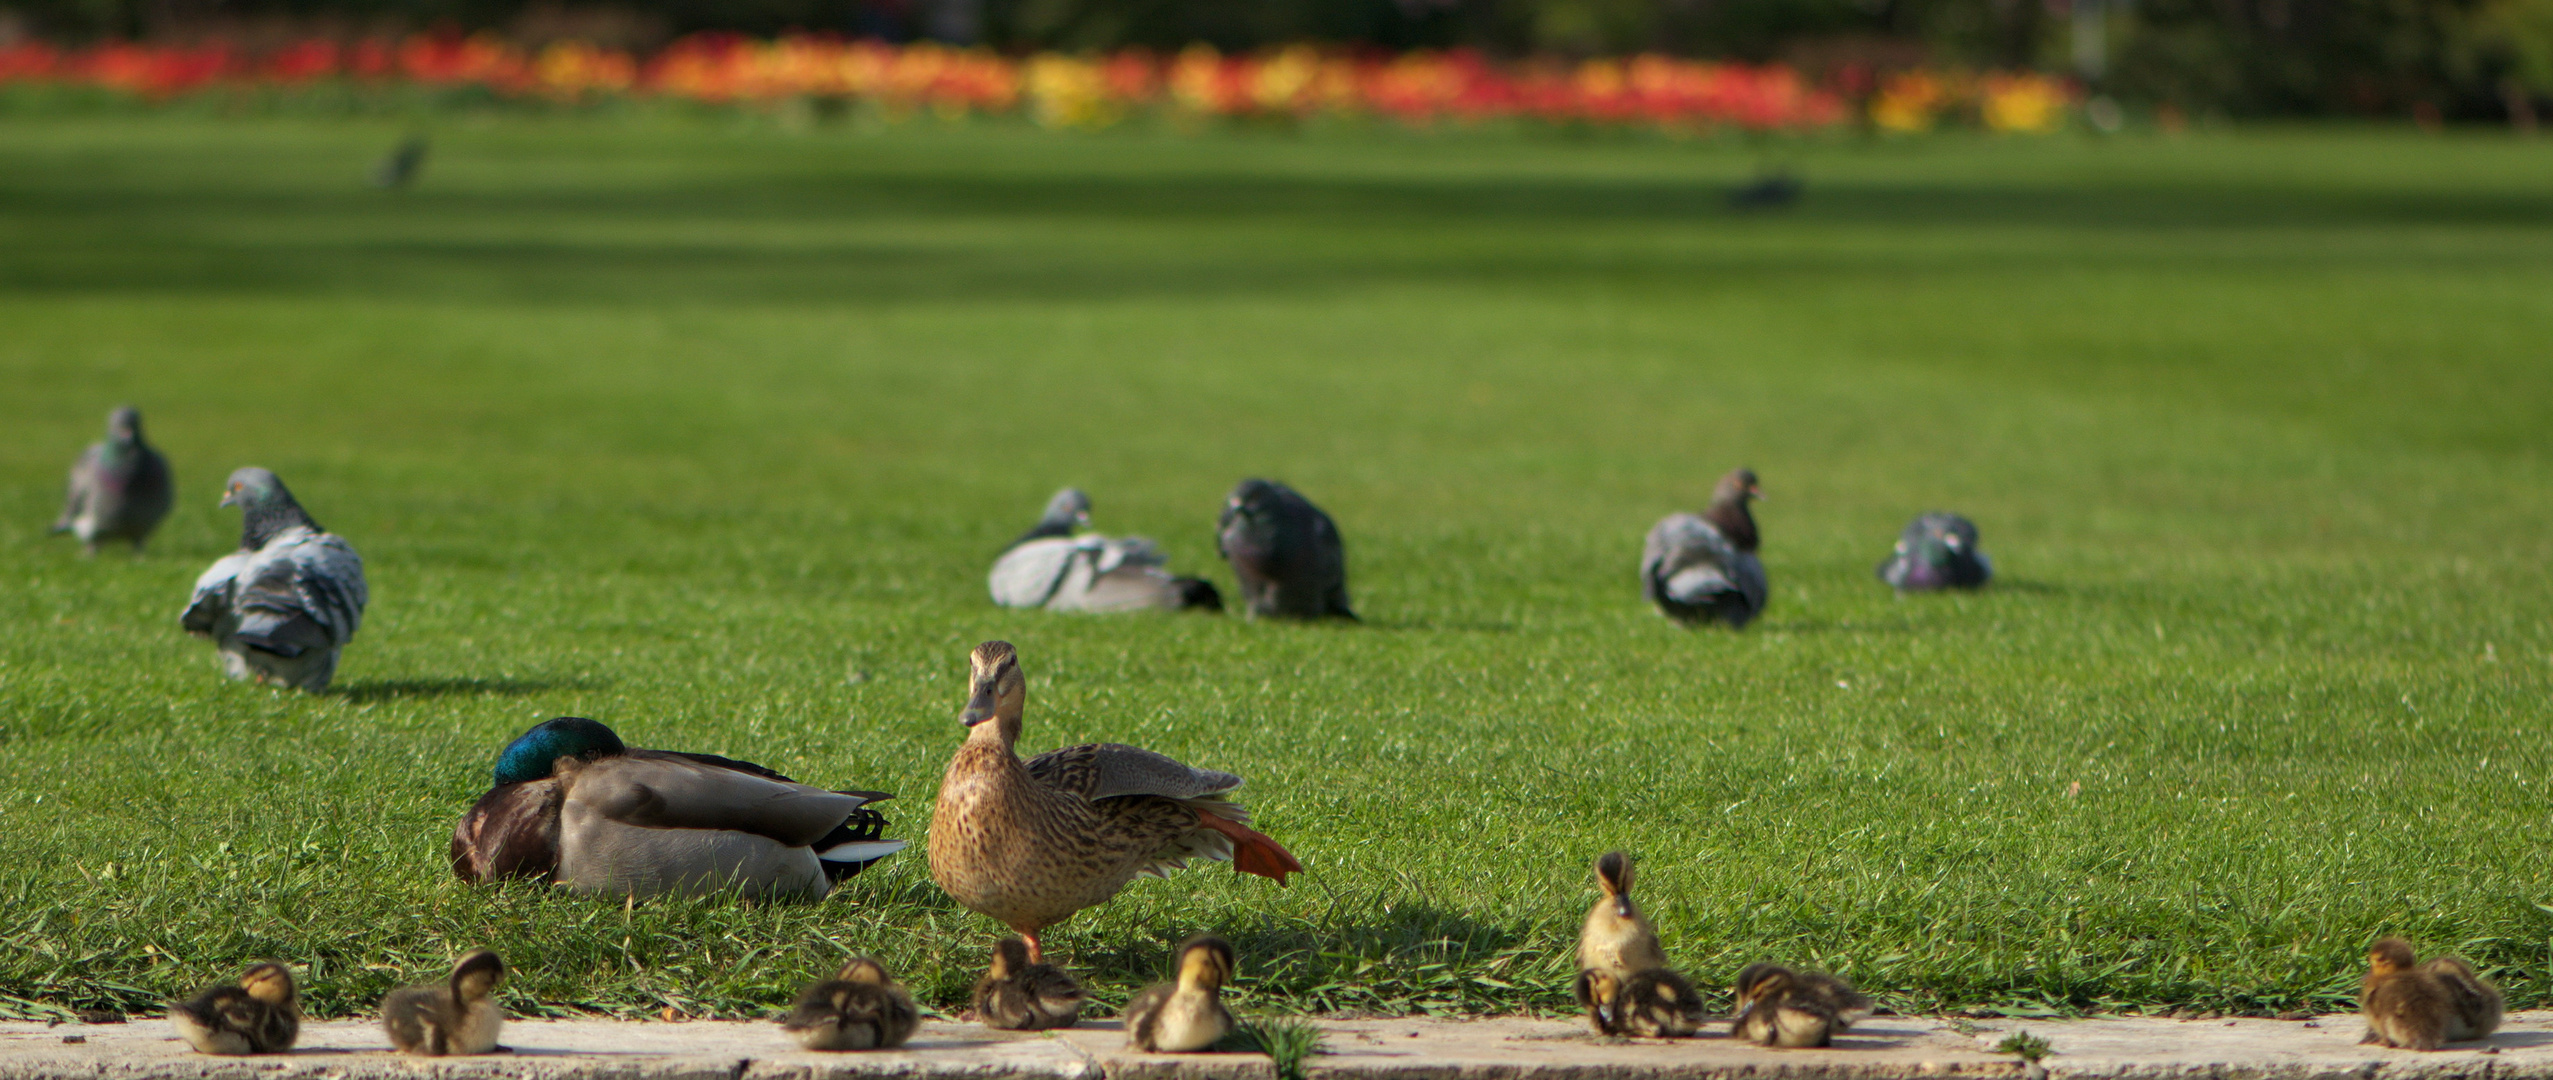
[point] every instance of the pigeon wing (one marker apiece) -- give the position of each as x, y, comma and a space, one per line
1027, 575
213, 594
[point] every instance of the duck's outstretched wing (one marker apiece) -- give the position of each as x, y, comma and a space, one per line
1096, 771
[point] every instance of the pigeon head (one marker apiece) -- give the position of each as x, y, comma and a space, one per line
1067, 511
534, 755
266, 508
1728, 512
1253, 494
124, 425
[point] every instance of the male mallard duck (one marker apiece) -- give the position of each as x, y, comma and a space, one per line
576, 806
1286, 552
1937, 551
2422, 1007
119, 489
1617, 938
861, 1008
1185, 1016
1051, 568
259, 1014
284, 605
1702, 568
1652, 1004
1017, 995
1030, 843
456, 1016
1780, 1007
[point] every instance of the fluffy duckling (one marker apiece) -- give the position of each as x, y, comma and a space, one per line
2420, 1007
1653, 1004
1839, 997
859, 1009
456, 1016
1778, 1007
260, 1014
1617, 939
1018, 995
1186, 1016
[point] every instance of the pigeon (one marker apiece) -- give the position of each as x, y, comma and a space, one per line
1286, 552
1700, 568
401, 166
119, 488
1051, 568
1938, 551
282, 606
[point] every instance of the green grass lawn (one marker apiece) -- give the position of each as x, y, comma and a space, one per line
709, 430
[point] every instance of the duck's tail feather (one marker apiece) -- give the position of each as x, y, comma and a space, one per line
1254, 852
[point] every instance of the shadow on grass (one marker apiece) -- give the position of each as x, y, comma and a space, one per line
401, 689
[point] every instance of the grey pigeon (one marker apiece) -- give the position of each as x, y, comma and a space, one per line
400, 168
1700, 568
284, 605
1286, 552
1938, 551
1049, 567
119, 488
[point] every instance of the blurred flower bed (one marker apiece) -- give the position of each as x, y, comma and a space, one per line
1055, 90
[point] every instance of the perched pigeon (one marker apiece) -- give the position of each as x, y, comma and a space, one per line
400, 167
1768, 191
1286, 552
1051, 568
1702, 568
1937, 551
119, 488
282, 606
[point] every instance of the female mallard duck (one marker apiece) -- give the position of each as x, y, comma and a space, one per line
1186, 1016
1017, 995
259, 1014
456, 1016
1652, 1004
574, 805
1617, 938
862, 1008
1030, 843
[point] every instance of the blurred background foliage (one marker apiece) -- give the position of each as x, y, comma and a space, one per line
2433, 60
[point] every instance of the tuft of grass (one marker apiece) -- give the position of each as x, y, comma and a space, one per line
711, 430
1288, 1041
2023, 1045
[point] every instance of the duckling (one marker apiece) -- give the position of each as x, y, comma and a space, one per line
859, 1009
2421, 1007
1839, 997
1776, 1008
1017, 995
456, 1016
1618, 939
261, 1014
1187, 1016
1652, 1004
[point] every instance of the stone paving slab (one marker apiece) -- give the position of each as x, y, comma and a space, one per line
1881, 1048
